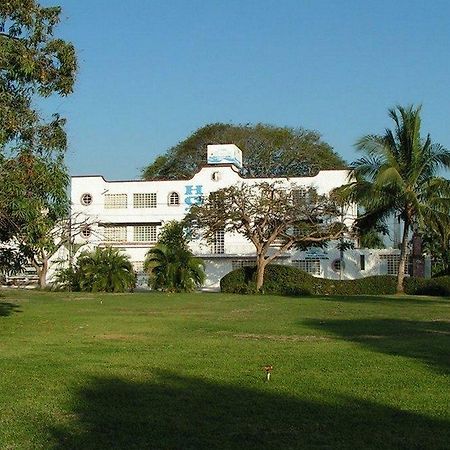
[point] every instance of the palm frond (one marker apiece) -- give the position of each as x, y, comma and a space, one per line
367, 167
388, 177
174, 268
372, 144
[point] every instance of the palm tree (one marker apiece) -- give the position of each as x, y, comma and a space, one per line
105, 270
436, 240
399, 176
174, 269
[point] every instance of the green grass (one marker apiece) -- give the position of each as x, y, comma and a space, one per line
184, 371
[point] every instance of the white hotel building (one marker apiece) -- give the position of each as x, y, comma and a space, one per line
129, 214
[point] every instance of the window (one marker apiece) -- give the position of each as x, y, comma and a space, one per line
362, 262
238, 263
293, 231
115, 201
337, 264
299, 194
219, 242
278, 242
147, 200
86, 232
86, 199
393, 262
174, 199
311, 266
115, 233
145, 233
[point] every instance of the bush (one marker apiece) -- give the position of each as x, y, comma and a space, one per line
286, 280
67, 279
238, 281
374, 285
439, 286
101, 270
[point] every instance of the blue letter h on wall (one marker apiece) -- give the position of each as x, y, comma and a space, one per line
194, 190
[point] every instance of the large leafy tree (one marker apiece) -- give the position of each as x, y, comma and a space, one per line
33, 200
33, 178
32, 62
170, 264
273, 217
268, 151
399, 176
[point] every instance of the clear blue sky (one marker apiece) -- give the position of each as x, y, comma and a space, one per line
153, 71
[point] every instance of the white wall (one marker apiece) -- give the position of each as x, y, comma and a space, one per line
209, 179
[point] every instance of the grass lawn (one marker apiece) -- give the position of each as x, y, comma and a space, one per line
136, 371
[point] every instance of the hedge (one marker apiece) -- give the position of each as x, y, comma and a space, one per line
439, 286
286, 280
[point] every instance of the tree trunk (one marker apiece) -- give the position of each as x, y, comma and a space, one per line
341, 263
42, 279
446, 262
403, 258
42, 270
260, 268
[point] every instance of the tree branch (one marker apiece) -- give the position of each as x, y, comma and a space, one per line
15, 38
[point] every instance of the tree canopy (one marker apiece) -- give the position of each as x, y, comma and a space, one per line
268, 151
32, 63
33, 199
33, 178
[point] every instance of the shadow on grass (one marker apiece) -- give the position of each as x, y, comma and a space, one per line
388, 299
379, 299
7, 308
174, 412
428, 341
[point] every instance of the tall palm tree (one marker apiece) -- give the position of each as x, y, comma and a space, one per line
174, 269
399, 176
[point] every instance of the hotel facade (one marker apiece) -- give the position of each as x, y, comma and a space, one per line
128, 215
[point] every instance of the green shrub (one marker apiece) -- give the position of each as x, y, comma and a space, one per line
415, 285
439, 286
101, 270
245, 289
171, 265
240, 279
67, 279
374, 285
286, 280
